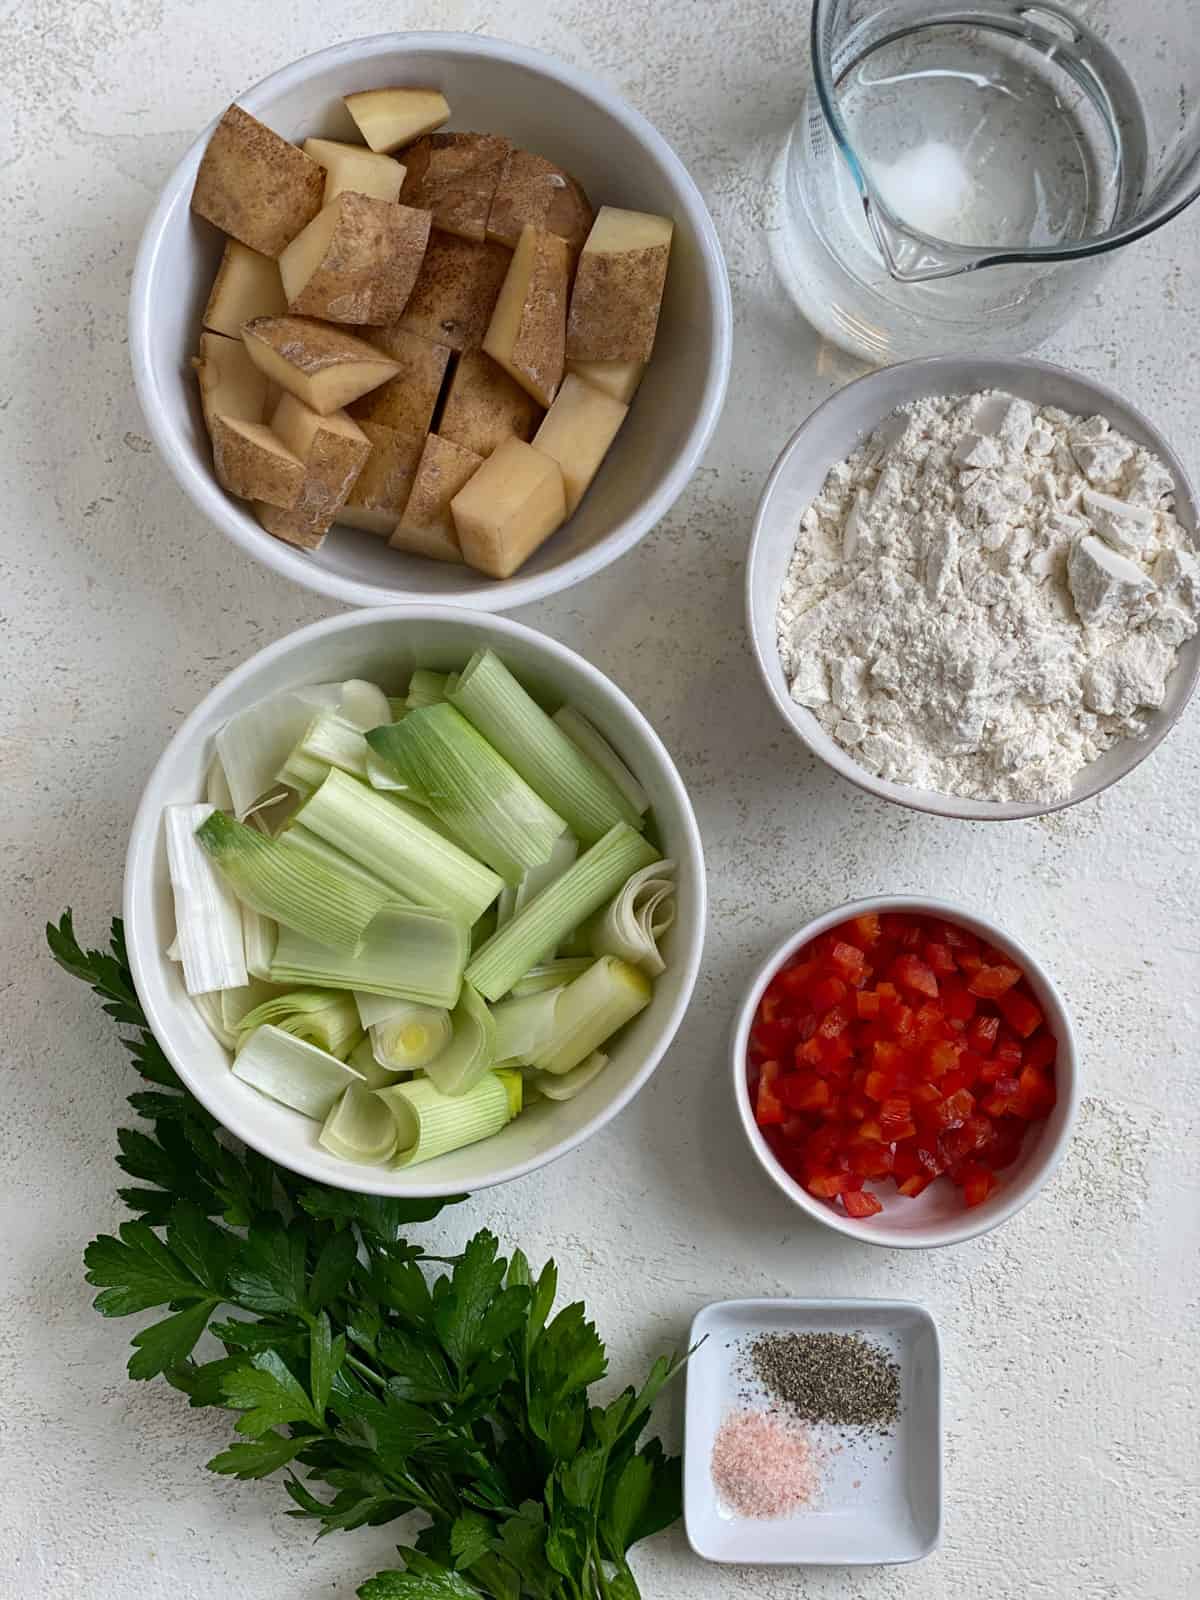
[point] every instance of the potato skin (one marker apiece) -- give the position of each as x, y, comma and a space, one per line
370, 265
406, 401
484, 406
456, 291
247, 468
454, 175
256, 186
427, 527
533, 190
615, 304
386, 480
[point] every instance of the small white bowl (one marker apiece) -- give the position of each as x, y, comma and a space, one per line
383, 645
881, 1499
837, 428
938, 1215
552, 108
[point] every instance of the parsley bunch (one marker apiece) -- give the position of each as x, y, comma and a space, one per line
378, 1388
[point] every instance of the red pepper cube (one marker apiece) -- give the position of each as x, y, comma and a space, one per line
827, 1185
1023, 1015
1035, 1096
925, 1094
1007, 1137
804, 1092
940, 957
794, 979
977, 1182
895, 1118
915, 1185
941, 1056
1009, 1051
866, 1004
990, 982
955, 1109
863, 930
768, 1107
771, 1002
861, 1205
1041, 1052
834, 1022
957, 1002
982, 1034
910, 972
957, 938
848, 961
827, 993
876, 1086
903, 1023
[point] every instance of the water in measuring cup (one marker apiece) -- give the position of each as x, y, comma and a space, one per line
975, 137
1001, 132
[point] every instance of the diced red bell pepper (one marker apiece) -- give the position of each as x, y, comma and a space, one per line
982, 1034
1041, 1051
955, 1109
940, 958
803, 1092
915, 1185
834, 1022
977, 1182
1035, 1095
989, 982
866, 1004
863, 930
895, 1118
848, 962
861, 1204
910, 972
828, 1184
940, 1057
957, 1001
1023, 1015
768, 1107
795, 979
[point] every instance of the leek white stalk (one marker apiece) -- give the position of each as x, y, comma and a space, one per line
239, 1003
550, 975
472, 1048
513, 722
514, 898
634, 921
209, 1007
566, 1085
294, 1073
582, 889
253, 745
588, 738
590, 1010
360, 1128
307, 896
473, 790
216, 789
207, 920
525, 1025
431, 1124
391, 839
328, 741
297, 837
330, 1021
362, 1059
407, 953
382, 776
259, 934
425, 688
411, 1037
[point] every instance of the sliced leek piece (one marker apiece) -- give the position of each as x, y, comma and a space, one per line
364, 705
330, 1021
297, 837
207, 920
431, 1124
590, 1010
209, 1007
411, 1037
563, 905
311, 898
216, 790
596, 747
407, 953
474, 790
382, 776
551, 975
360, 1128
513, 722
472, 1048
525, 1025
328, 741
637, 917
239, 1003
514, 898
566, 1085
390, 838
259, 934
362, 1059
425, 688
254, 744
292, 1072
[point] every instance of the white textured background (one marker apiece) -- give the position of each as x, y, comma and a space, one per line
1070, 1336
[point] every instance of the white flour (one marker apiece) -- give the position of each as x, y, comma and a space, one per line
985, 597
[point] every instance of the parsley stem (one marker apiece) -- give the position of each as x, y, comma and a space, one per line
365, 1371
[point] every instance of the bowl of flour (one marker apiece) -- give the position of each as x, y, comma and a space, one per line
974, 586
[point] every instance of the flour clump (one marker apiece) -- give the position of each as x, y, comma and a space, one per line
987, 595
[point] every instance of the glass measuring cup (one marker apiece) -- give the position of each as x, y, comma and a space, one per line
961, 173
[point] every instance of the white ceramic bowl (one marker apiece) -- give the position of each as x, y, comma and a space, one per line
837, 428
556, 110
938, 1216
383, 645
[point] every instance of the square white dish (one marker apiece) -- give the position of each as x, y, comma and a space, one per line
881, 1498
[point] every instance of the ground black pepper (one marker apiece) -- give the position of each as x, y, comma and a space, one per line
843, 1379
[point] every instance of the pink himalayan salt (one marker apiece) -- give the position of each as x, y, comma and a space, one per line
763, 1465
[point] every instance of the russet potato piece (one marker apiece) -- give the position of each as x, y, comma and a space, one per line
484, 406
406, 401
456, 292
528, 328
252, 463
230, 384
389, 118
334, 450
577, 431
350, 167
454, 175
324, 366
255, 185
427, 526
247, 285
509, 508
382, 489
619, 287
533, 190
617, 378
356, 261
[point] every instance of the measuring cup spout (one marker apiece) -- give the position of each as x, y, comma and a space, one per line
912, 257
